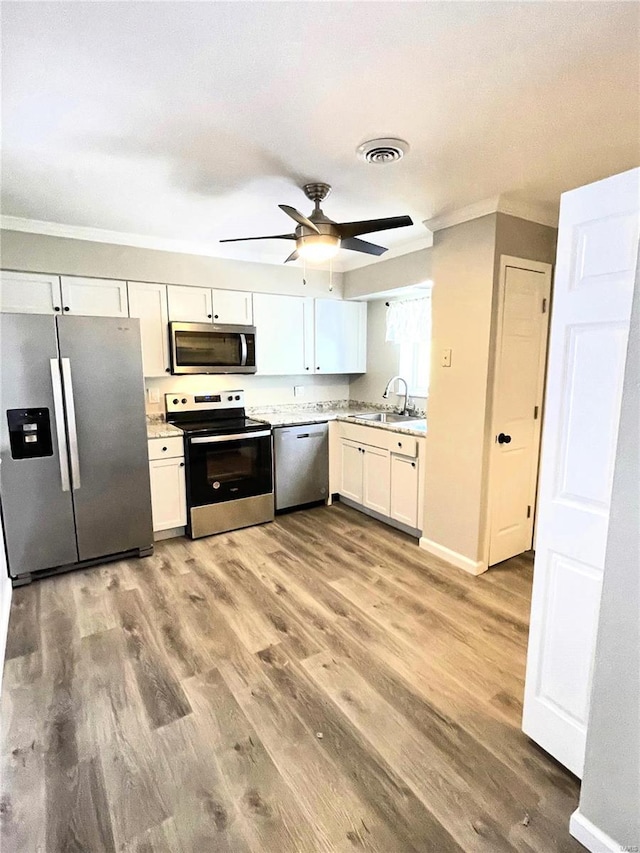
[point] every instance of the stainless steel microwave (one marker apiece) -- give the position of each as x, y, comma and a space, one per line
212, 348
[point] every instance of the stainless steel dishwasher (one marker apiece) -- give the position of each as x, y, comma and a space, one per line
301, 464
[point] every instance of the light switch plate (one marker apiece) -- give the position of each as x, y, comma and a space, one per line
298, 390
153, 395
446, 357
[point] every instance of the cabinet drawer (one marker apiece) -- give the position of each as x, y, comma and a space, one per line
165, 448
404, 445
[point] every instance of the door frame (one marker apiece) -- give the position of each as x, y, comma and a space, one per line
547, 270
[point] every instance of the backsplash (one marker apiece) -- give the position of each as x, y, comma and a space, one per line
260, 391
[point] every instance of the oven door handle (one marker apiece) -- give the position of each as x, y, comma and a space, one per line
243, 350
215, 439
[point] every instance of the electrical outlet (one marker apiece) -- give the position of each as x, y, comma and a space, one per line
298, 390
446, 357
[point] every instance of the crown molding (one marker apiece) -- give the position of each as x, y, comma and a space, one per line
103, 235
498, 204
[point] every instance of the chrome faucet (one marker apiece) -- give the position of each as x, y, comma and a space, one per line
385, 396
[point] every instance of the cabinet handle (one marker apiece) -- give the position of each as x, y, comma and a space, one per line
66, 307
167, 370
399, 444
182, 464
164, 448
56, 307
413, 464
318, 367
209, 316
306, 368
215, 316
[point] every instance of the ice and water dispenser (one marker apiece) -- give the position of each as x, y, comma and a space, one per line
29, 433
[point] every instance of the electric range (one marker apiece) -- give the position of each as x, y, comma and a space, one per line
229, 462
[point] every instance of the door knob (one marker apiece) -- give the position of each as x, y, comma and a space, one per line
504, 439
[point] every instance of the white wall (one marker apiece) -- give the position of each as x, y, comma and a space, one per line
610, 794
403, 271
383, 361
39, 253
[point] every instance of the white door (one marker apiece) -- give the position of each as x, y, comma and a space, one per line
340, 336
189, 304
29, 293
232, 306
168, 495
517, 402
280, 334
148, 302
376, 480
404, 490
597, 246
94, 297
351, 465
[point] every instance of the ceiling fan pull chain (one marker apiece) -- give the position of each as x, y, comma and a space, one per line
304, 271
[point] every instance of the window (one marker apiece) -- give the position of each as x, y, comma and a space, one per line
409, 326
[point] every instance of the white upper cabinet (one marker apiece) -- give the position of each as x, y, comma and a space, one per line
233, 307
340, 336
190, 304
281, 329
29, 293
148, 302
94, 297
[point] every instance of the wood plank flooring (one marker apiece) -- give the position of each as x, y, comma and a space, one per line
315, 684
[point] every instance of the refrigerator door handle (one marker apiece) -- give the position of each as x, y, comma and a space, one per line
58, 408
71, 423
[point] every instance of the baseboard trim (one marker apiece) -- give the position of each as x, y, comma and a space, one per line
169, 533
473, 567
590, 836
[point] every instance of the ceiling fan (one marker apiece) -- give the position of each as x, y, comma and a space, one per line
319, 238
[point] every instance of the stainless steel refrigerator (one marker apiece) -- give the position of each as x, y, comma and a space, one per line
74, 478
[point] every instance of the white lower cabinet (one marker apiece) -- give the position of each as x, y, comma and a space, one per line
376, 480
404, 490
168, 488
380, 471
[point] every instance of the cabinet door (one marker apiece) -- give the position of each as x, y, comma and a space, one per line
280, 338
168, 495
404, 490
148, 302
340, 336
29, 293
232, 306
351, 470
189, 304
309, 335
94, 297
376, 480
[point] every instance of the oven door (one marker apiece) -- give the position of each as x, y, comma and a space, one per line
227, 467
206, 348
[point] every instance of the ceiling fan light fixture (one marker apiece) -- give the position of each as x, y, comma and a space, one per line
316, 248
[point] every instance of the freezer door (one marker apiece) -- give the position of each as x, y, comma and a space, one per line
37, 510
104, 395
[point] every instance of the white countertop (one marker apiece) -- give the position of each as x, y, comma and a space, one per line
294, 418
163, 430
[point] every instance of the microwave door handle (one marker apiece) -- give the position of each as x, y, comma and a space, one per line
58, 409
243, 350
71, 423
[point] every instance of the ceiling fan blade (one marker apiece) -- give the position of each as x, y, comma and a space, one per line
292, 257
299, 218
366, 226
267, 237
362, 246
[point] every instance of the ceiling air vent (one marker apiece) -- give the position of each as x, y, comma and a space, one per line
382, 151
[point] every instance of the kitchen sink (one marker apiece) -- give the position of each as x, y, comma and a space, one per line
387, 417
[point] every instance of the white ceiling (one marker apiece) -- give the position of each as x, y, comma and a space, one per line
190, 122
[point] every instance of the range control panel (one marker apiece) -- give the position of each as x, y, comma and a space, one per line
29, 433
204, 402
